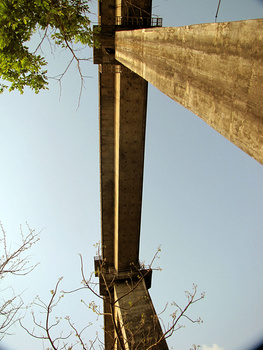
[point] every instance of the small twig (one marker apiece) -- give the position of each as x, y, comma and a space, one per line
219, 2
42, 39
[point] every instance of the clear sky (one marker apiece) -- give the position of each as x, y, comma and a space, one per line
202, 199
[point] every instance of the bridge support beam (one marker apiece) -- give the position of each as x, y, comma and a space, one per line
130, 121
214, 70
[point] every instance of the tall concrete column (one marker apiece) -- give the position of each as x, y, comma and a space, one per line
130, 320
214, 70
136, 317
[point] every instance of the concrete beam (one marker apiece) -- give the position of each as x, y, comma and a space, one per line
122, 109
214, 70
107, 175
130, 120
123, 103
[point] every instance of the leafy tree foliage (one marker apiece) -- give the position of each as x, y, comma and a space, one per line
61, 21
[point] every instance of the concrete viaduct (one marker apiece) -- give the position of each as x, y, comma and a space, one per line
214, 70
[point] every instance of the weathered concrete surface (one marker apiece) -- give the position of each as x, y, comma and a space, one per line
214, 70
136, 317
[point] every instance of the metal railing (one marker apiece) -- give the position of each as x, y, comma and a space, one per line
156, 22
139, 21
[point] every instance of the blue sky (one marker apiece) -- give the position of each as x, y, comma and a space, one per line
202, 199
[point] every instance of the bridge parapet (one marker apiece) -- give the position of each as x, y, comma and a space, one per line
138, 22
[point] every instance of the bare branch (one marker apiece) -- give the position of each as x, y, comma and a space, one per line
219, 2
120, 323
14, 262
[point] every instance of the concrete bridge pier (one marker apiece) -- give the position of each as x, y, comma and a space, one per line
136, 318
130, 320
214, 70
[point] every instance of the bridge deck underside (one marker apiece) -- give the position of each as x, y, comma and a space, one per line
123, 100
